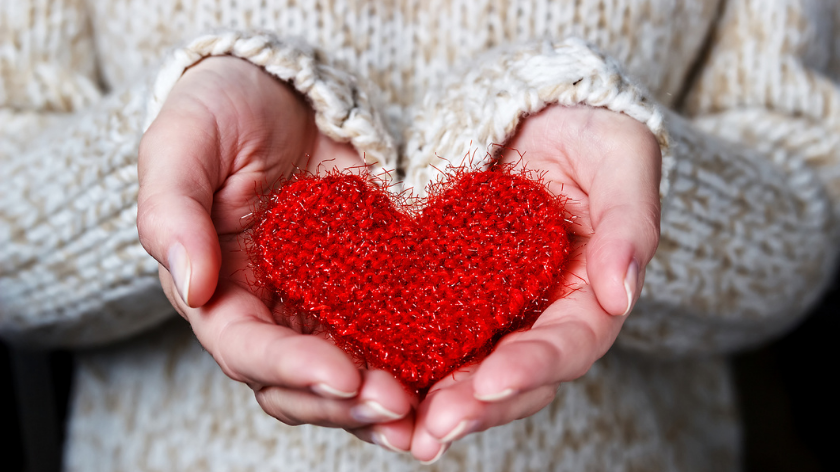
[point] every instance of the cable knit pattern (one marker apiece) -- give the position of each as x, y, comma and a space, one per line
750, 196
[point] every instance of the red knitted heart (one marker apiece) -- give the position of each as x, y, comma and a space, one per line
414, 291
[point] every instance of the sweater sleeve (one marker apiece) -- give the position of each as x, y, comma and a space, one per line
72, 270
47, 68
748, 234
750, 237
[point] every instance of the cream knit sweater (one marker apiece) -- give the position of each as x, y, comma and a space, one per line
742, 95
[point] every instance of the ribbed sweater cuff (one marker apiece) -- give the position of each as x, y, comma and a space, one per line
484, 106
342, 106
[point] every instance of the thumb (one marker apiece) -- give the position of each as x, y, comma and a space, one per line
178, 167
624, 211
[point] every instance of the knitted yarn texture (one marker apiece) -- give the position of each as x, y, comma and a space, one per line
741, 95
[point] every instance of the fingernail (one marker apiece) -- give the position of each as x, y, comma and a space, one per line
631, 279
326, 391
495, 397
380, 440
181, 270
373, 412
464, 428
443, 448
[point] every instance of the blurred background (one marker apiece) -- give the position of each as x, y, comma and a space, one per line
786, 394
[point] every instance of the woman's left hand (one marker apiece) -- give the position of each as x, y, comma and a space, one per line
609, 165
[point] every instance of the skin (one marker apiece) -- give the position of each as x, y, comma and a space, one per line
227, 125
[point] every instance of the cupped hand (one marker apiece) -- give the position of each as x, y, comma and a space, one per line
608, 164
226, 129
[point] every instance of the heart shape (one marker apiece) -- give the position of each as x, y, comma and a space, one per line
417, 290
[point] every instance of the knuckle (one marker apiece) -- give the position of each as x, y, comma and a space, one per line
285, 418
226, 369
218, 347
289, 420
547, 351
148, 222
271, 404
337, 417
144, 221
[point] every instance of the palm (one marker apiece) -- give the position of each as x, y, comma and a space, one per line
578, 151
261, 134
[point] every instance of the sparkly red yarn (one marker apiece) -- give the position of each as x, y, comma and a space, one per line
415, 289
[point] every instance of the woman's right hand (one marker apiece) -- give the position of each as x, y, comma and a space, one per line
228, 128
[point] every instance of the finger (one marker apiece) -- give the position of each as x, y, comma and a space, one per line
624, 211
394, 436
560, 347
424, 447
381, 400
177, 182
453, 412
237, 329
297, 407
171, 292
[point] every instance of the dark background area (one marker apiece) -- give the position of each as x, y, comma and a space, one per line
788, 398
786, 395
34, 393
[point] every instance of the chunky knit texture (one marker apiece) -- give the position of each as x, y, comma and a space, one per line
741, 94
342, 109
